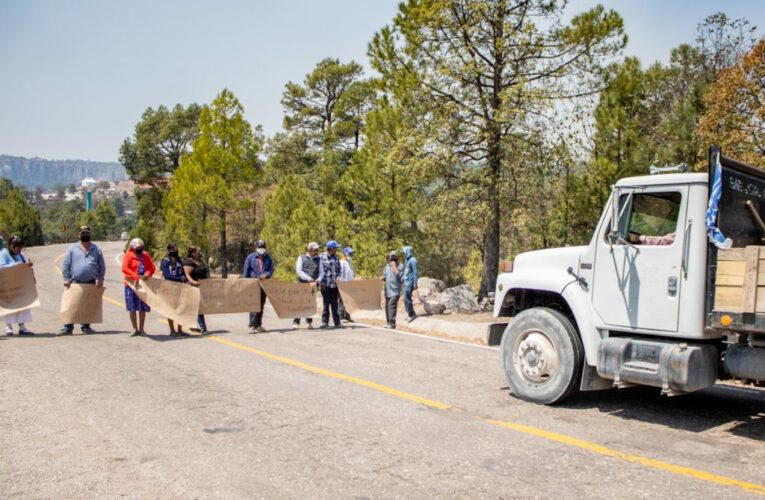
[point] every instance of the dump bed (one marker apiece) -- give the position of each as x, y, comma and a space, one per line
736, 277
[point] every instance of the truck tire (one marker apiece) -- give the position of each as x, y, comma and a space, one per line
542, 356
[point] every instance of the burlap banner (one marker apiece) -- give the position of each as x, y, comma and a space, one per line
17, 289
291, 300
176, 301
361, 294
233, 295
82, 304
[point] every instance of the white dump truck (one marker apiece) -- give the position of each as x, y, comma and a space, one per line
652, 300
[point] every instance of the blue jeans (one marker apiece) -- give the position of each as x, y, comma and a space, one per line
201, 322
408, 301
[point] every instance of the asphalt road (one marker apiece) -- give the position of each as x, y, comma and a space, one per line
359, 412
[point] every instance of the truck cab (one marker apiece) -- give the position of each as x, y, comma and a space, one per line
636, 305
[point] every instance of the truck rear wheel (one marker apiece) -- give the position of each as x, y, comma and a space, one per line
542, 356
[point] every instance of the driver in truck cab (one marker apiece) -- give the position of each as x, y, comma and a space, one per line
641, 239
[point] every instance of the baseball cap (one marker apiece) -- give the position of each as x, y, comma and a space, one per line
347, 250
332, 244
313, 246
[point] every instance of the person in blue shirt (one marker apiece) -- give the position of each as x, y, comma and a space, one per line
392, 276
410, 282
258, 264
83, 263
172, 270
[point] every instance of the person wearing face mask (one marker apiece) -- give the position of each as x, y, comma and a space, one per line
136, 265
307, 270
9, 257
172, 270
258, 264
83, 263
346, 274
195, 270
329, 275
392, 276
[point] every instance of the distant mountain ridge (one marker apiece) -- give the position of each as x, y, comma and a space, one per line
33, 172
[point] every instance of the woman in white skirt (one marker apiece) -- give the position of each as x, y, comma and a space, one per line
12, 256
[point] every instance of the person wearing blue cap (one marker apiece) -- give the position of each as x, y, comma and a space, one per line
346, 274
329, 275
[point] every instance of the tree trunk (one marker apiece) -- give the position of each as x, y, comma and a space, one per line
491, 233
223, 248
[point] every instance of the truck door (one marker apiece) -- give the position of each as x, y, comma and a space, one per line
637, 278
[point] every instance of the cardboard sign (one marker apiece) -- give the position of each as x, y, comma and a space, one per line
291, 300
361, 294
18, 290
82, 304
224, 296
176, 301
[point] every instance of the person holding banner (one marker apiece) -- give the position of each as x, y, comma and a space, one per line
329, 275
136, 265
13, 256
196, 270
83, 263
392, 278
346, 274
172, 270
307, 270
258, 264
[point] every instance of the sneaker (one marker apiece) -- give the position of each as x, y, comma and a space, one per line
87, 330
253, 330
410, 319
195, 330
65, 331
389, 326
339, 326
204, 332
295, 326
26, 332
324, 326
8, 331
260, 329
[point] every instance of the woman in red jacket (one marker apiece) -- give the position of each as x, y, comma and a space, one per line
136, 265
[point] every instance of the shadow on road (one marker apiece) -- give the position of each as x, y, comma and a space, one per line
740, 410
45, 335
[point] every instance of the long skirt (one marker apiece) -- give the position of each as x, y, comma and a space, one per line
24, 316
133, 303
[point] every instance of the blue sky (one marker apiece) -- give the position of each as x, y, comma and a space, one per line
76, 75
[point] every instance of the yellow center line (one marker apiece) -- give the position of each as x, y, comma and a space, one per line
521, 428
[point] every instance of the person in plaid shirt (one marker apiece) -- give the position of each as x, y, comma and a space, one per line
329, 275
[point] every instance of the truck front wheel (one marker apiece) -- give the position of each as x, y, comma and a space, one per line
542, 356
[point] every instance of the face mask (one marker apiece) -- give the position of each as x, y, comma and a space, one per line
261, 251
174, 254
85, 237
349, 257
139, 250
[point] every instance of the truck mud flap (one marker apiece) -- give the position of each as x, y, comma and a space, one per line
494, 333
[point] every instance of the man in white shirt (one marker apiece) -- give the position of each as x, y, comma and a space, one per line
307, 270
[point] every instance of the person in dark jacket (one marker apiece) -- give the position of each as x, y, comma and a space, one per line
307, 270
172, 270
195, 270
258, 264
